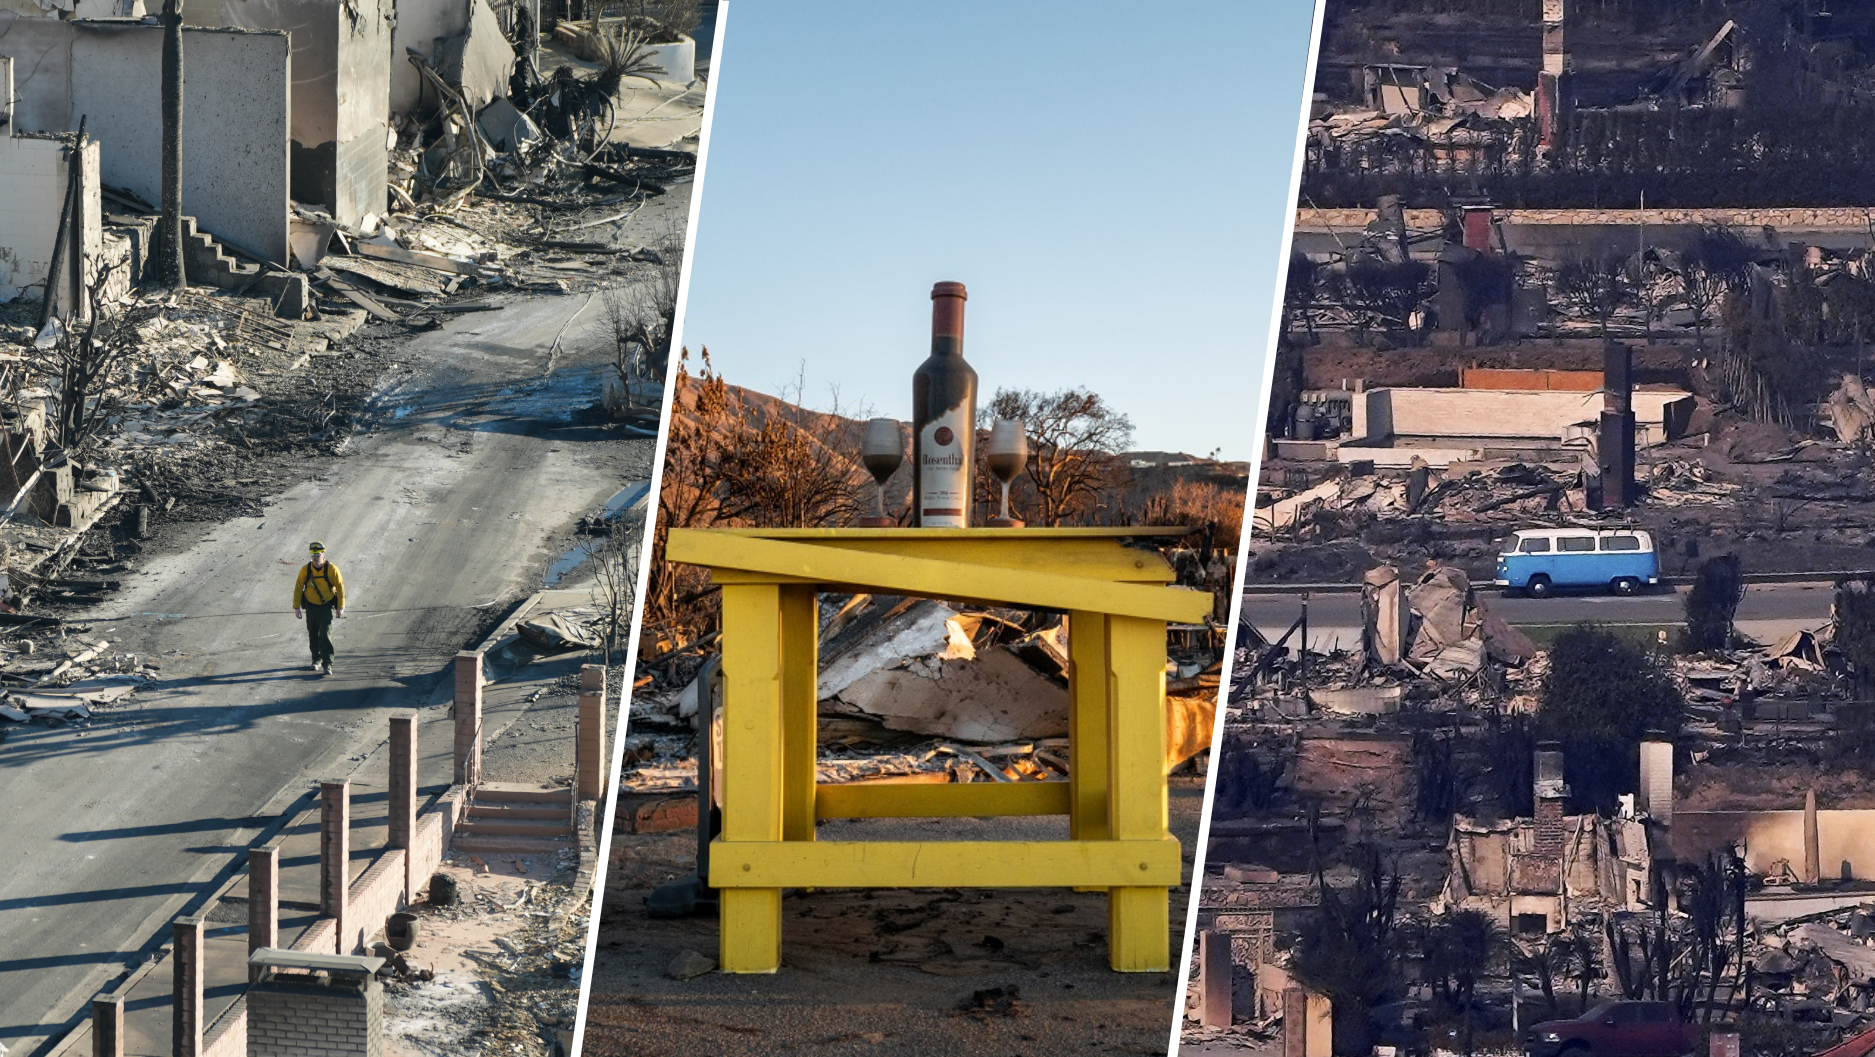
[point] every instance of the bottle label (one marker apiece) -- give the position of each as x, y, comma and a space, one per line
943, 477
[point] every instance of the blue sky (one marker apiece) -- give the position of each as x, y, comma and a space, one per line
1108, 179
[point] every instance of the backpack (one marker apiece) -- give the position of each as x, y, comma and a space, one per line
323, 577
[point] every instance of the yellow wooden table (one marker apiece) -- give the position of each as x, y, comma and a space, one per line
1118, 605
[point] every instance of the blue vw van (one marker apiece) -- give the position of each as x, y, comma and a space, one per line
1537, 561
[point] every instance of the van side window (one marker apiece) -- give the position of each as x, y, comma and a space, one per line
1534, 546
1621, 543
1576, 543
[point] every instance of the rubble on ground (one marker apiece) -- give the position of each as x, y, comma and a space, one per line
1433, 645
60, 675
1508, 494
504, 965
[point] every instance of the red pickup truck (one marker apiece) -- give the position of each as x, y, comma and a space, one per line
1614, 1029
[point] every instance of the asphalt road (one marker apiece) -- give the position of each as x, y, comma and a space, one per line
1769, 611
452, 507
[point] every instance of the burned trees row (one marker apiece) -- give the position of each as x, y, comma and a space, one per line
1677, 158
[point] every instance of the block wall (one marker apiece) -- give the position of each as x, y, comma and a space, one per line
376, 895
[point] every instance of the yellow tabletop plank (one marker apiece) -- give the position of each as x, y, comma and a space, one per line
945, 864
940, 579
1061, 533
1096, 559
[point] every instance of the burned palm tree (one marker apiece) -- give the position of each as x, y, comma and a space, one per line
170, 264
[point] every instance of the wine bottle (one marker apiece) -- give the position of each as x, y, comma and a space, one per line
944, 418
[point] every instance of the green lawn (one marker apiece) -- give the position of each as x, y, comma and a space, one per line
1646, 636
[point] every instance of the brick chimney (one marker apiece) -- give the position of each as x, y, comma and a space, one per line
1550, 791
327, 1005
1656, 785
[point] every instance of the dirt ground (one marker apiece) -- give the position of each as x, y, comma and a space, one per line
883, 972
1771, 779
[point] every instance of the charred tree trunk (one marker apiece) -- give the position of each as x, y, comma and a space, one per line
169, 244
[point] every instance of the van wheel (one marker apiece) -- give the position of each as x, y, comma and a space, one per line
1538, 587
1626, 586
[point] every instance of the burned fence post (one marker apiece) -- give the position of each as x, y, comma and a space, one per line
263, 900
335, 810
187, 995
107, 1026
468, 717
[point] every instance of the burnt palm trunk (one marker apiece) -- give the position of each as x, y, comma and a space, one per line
171, 267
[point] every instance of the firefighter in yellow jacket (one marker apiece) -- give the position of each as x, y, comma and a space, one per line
320, 592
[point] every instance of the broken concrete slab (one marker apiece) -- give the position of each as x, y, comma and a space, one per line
506, 128
993, 697
556, 632
43, 705
927, 630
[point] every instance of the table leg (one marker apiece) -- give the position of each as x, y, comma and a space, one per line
1088, 684
752, 770
800, 676
1137, 918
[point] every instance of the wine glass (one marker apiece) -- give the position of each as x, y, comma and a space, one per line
1008, 450
882, 452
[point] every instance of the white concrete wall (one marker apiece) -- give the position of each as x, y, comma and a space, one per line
340, 98
234, 123
34, 171
42, 71
419, 23
1408, 412
1842, 835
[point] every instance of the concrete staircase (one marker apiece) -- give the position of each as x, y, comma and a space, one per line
209, 264
531, 819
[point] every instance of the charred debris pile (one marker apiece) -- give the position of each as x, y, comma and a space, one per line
922, 690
